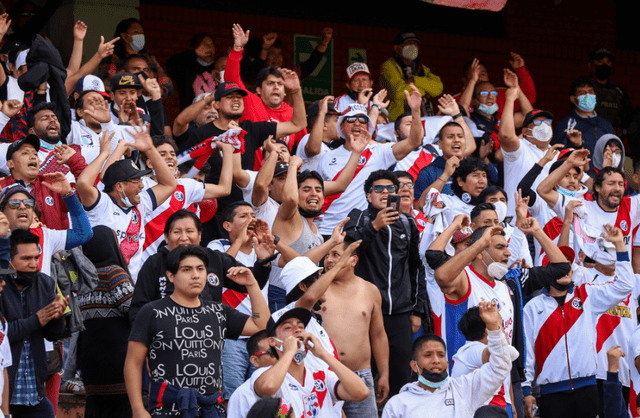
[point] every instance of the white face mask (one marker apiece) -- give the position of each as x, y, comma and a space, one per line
542, 132
615, 160
299, 356
410, 52
125, 199
496, 270
221, 76
501, 210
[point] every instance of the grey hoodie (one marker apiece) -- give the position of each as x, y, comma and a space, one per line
598, 152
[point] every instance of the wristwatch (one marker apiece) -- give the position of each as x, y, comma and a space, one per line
276, 240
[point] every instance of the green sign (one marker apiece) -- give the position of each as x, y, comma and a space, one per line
320, 82
356, 55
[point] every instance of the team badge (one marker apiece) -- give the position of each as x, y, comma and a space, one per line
466, 197
319, 385
448, 402
623, 226
576, 303
179, 196
49, 200
134, 217
497, 302
362, 160
421, 222
213, 279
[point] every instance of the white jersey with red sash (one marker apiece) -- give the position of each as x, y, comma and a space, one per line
626, 217
337, 207
615, 326
187, 193
51, 241
128, 224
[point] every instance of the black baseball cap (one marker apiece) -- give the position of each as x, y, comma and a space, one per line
123, 170
302, 314
30, 139
314, 109
281, 168
599, 53
125, 81
406, 36
227, 88
534, 114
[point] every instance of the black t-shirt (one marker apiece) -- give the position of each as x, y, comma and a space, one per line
190, 77
185, 344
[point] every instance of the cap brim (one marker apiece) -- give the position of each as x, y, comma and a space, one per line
140, 173
302, 314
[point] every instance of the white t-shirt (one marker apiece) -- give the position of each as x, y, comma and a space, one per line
469, 358
128, 224
314, 398
310, 163
268, 210
242, 400
187, 193
336, 208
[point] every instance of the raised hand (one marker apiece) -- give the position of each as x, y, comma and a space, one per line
57, 183
337, 236
105, 141
414, 100
79, 31
143, 141
490, 315
323, 104
240, 38
451, 165
11, 107
461, 222
613, 358
290, 80
63, 153
269, 145
152, 87
516, 60
386, 216
378, 99
522, 205
550, 154
579, 157
510, 78
269, 39
447, 105
475, 71
105, 49
4, 226
5, 23
364, 95
241, 275
612, 234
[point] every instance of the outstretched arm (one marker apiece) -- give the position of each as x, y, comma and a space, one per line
403, 148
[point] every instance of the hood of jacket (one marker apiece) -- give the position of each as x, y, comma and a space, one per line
598, 151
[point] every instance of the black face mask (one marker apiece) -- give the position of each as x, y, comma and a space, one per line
561, 287
603, 72
25, 278
308, 215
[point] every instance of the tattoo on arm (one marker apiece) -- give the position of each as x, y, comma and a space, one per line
255, 315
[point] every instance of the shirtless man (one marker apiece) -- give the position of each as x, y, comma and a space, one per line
351, 315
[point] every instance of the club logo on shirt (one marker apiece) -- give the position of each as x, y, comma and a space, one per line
448, 402
213, 279
576, 303
623, 226
497, 302
466, 197
311, 405
362, 160
319, 385
292, 386
179, 196
134, 217
49, 200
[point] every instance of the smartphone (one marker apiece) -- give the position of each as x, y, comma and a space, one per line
393, 201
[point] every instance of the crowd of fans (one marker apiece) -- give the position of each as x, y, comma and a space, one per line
398, 250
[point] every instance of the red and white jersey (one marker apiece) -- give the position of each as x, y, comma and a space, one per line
633, 351
51, 242
615, 326
5, 354
312, 399
343, 102
561, 340
626, 217
128, 224
447, 312
337, 207
187, 193
469, 358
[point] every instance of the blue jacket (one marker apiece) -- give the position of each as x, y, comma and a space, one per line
592, 129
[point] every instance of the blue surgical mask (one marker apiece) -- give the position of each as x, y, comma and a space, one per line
488, 110
566, 192
137, 42
587, 102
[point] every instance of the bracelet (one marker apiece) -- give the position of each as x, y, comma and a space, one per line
6, 236
444, 181
69, 193
457, 116
263, 261
376, 105
294, 92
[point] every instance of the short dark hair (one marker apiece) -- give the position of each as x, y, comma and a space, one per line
396, 124
490, 191
182, 214
348, 240
21, 236
466, 167
31, 116
230, 211
296, 293
580, 82
479, 208
379, 175
267, 408
448, 125
160, 140
600, 179
180, 253
122, 27
558, 163
252, 343
80, 100
265, 73
477, 234
197, 39
467, 65
471, 325
132, 57
310, 174
403, 174
478, 85
422, 340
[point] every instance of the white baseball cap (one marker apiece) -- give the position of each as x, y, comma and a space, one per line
21, 59
354, 109
296, 271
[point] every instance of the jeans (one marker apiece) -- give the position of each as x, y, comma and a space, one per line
236, 368
44, 409
366, 408
277, 298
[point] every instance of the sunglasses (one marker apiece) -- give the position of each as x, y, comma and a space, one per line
352, 119
538, 122
379, 188
408, 185
262, 353
485, 93
15, 203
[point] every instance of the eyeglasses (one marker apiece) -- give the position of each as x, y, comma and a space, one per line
485, 93
538, 122
379, 188
352, 119
134, 181
262, 353
408, 185
15, 203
